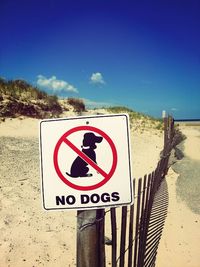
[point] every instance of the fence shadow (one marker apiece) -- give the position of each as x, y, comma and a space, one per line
156, 224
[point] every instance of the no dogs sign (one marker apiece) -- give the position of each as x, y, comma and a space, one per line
85, 162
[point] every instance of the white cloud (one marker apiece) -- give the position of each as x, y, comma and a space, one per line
97, 78
55, 85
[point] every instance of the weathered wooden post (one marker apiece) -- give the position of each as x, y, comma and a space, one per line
165, 121
171, 128
90, 238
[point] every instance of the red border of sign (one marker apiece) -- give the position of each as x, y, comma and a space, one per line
106, 176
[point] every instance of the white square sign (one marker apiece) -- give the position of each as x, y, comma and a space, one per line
85, 162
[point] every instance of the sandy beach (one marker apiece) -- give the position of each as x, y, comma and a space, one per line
179, 246
31, 236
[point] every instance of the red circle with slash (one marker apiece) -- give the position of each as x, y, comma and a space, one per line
106, 176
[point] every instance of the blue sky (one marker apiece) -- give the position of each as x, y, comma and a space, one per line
141, 54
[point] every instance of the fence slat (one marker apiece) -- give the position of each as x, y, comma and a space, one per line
100, 224
130, 243
114, 236
131, 222
137, 223
123, 236
142, 223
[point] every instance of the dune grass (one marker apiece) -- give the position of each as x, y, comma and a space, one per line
20, 98
145, 120
20, 89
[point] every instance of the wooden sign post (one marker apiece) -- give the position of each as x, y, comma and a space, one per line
90, 238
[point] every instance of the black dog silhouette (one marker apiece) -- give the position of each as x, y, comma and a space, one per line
79, 166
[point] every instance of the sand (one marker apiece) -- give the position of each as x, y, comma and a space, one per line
31, 236
179, 246
192, 144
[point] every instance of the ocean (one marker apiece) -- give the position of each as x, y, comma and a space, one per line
188, 122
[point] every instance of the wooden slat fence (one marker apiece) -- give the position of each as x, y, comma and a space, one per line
142, 223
